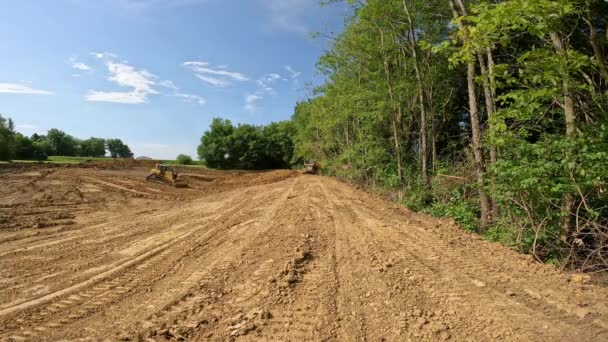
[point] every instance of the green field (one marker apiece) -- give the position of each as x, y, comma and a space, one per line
79, 160
64, 160
195, 163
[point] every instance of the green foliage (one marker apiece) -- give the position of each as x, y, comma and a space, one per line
183, 159
246, 146
466, 214
62, 144
118, 149
7, 138
93, 147
540, 71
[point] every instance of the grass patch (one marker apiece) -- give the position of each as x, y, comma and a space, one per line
75, 160
64, 160
195, 163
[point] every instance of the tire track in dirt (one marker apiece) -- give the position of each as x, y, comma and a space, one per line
101, 295
500, 286
460, 280
291, 259
134, 273
220, 262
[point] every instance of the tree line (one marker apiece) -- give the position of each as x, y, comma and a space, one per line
490, 112
16, 146
245, 146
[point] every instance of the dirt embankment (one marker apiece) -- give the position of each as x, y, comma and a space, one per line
262, 256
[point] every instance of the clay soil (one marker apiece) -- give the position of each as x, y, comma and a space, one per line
96, 253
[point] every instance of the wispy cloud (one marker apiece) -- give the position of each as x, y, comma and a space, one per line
116, 97
217, 77
78, 65
292, 73
15, 88
141, 83
250, 102
185, 97
265, 82
81, 66
103, 55
168, 84
192, 98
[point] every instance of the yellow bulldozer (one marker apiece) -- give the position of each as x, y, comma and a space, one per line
166, 175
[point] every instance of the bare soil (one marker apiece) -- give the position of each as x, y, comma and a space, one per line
97, 253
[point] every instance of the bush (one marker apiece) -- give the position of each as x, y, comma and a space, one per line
183, 159
464, 213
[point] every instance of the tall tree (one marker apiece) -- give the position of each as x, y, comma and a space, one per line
118, 149
459, 11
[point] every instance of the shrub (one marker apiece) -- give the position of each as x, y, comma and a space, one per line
184, 159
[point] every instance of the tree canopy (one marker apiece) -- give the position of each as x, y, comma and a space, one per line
246, 146
490, 112
14, 145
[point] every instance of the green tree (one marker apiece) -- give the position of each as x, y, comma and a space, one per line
62, 144
118, 149
528, 149
247, 146
93, 147
7, 138
184, 159
214, 147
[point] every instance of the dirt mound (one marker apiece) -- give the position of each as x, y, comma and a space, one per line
120, 163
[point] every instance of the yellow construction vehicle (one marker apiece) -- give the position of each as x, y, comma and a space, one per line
311, 167
166, 175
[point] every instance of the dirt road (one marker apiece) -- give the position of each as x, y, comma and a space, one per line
267, 256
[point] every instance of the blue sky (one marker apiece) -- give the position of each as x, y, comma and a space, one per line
155, 72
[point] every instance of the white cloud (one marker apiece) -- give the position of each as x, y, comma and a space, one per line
192, 98
294, 74
127, 76
168, 84
103, 55
81, 66
78, 65
250, 102
141, 83
217, 77
14, 88
116, 97
265, 82
185, 97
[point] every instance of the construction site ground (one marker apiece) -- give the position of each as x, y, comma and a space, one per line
94, 252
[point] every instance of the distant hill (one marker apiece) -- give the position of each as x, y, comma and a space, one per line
143, 158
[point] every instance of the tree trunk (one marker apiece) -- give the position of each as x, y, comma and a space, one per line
597, 50
490, 110
484, 200
493, 151
395, 115
570, 118
491, 75
423, 114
